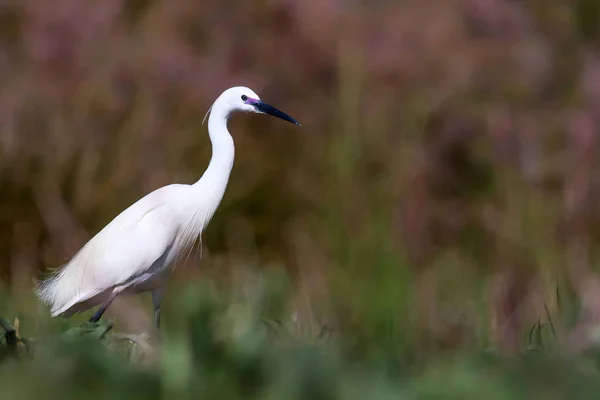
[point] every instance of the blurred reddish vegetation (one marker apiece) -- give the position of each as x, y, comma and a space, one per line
458, 133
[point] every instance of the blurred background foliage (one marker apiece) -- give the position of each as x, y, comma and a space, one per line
436, 212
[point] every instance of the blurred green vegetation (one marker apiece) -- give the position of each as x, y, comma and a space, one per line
430, 232
239, 343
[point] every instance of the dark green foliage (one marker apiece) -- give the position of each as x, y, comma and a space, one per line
221, 345
587, 15
8, 339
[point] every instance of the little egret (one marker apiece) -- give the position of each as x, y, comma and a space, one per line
135, 251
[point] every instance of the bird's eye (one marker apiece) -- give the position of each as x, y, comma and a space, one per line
244, 97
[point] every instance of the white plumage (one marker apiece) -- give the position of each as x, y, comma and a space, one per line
136, 251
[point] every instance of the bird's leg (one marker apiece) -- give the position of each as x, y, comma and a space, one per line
96, 317
157, 318
157, 296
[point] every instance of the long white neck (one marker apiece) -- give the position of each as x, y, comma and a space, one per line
210, 188
216, 176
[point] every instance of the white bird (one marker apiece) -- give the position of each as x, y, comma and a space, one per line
136, 250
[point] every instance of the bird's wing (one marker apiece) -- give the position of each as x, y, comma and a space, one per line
127, 247
134, 244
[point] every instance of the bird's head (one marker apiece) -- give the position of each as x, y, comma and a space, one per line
240, 98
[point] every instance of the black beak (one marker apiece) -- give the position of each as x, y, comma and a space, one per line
267, 109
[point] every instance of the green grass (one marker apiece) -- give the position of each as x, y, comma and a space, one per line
231, 344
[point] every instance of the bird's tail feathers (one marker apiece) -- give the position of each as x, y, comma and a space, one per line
61, 286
